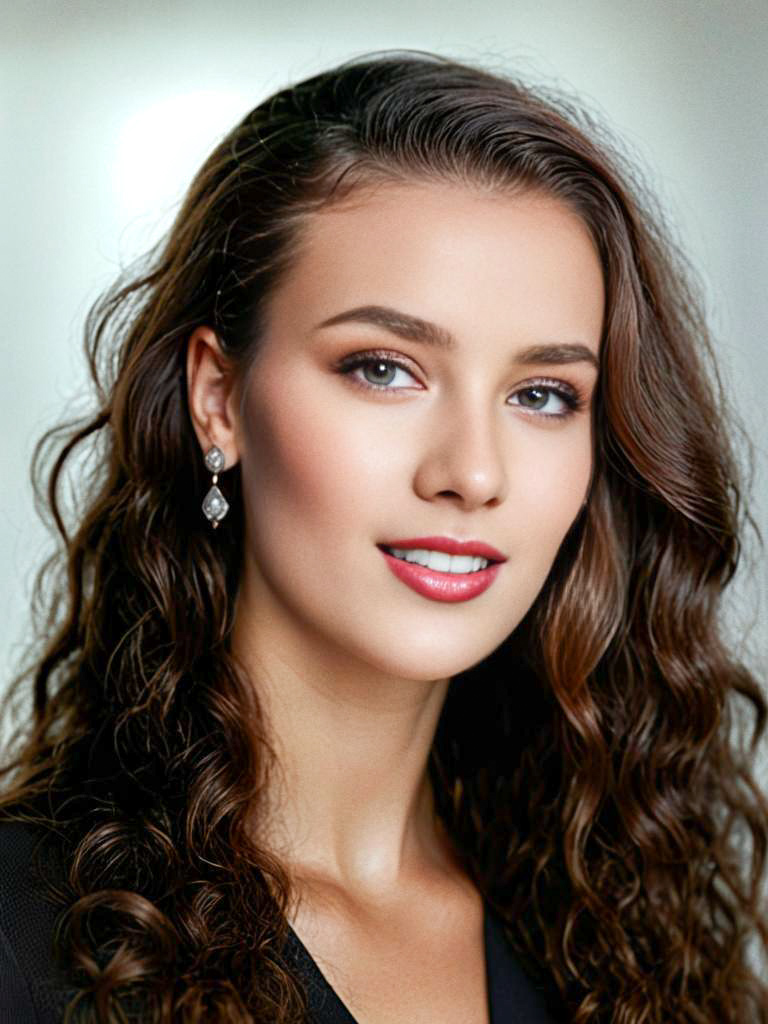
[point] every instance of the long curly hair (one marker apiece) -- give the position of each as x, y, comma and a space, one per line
600, 792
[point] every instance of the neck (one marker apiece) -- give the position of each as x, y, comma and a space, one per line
350, 803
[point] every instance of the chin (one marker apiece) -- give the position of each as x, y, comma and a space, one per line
433, 657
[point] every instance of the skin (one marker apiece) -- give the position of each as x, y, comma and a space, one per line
351, 665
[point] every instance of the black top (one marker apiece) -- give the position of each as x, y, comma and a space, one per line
33, 991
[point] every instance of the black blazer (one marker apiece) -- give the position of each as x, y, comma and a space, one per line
34, 991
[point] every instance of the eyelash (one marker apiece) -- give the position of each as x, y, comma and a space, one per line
574, 401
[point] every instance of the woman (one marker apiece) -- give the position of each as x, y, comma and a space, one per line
425, 715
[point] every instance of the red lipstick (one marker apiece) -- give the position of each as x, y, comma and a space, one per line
444, 586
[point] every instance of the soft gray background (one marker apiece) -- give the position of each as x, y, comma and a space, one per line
107, 109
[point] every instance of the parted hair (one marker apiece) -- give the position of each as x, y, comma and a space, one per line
594, 773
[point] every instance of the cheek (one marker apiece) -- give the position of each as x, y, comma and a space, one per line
310, 461
549, 485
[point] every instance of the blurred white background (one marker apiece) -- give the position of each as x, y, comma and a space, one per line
107, 110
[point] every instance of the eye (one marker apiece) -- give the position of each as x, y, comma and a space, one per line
377, 371
552, 399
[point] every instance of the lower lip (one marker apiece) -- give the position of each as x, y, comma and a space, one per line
442, 586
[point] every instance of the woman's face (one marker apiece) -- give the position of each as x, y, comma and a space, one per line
426, 371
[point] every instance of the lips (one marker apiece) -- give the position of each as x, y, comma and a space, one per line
444, 586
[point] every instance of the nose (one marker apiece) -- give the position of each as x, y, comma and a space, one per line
462, 459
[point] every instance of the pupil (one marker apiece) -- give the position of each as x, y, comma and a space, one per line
539, 396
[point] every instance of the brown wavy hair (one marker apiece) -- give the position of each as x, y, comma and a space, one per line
600, 794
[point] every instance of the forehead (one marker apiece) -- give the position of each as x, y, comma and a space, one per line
459, 256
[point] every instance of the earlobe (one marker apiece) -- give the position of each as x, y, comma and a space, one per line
211, 383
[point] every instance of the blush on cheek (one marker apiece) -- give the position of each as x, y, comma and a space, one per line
300, 460
553, 483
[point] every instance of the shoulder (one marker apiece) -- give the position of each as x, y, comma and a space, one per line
32, 988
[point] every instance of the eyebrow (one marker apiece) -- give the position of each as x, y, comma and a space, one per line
413, 328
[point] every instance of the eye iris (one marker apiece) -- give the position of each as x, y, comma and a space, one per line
537, 396
380, 366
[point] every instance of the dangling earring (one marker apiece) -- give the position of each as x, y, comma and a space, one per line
215, 505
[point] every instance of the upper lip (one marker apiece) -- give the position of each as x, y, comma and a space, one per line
450, 546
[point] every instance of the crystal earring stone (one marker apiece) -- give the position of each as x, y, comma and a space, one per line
214, 459
215, 505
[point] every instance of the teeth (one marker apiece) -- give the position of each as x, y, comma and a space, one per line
440, 561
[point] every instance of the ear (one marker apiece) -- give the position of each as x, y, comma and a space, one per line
212, 395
